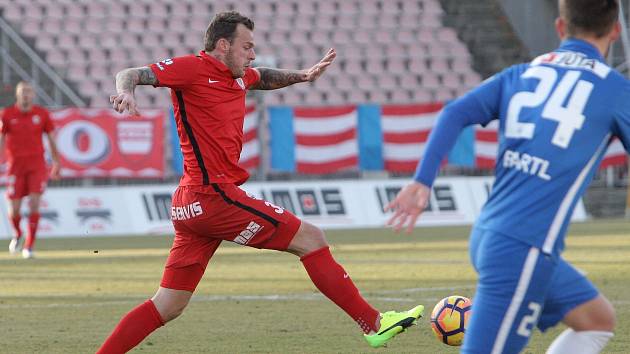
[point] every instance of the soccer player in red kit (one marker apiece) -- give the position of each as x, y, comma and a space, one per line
22, 128
208, 93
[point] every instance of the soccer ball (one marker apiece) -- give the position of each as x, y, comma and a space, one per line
449, 319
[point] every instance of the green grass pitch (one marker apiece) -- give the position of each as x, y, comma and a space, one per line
250, 301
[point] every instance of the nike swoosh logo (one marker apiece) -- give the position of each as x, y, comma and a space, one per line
346, 276
212, 81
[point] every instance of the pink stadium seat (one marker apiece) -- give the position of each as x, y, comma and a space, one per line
353, 67
367, 21
320, 38
13, 13
76, 72
362, 37
451, 81
348, 8
356, 96
430, 80
76, 56
345, 83
73, 25
418, 65
411, 7
421, 96
432, 8
66, 41
341, 37
74, 10
396, 66
378, 96
443, 94
430, 21
409, 81
158, 10
383, 37
346, 21
439, 66
365, 82
400, 96
45, 42
314, 98
386, 82
272, 98
334, 97
282, 23
374, 65
370, 7
263, 9
292, 97
304, 7
326, 8
388, 21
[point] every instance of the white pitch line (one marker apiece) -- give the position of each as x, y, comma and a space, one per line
372, 295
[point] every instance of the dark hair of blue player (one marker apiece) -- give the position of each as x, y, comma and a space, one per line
224, 25
589, 17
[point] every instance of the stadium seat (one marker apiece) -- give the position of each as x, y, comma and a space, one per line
393, 50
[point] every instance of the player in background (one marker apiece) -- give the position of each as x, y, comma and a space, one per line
208, 94
22, 127
556, 116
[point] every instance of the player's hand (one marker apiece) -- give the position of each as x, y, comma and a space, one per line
408, 205
55, 170
124, 101
318, 69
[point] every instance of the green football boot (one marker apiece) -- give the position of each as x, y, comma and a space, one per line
393, 323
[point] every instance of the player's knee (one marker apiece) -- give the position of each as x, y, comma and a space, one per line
595, 315
170, 303
308, 239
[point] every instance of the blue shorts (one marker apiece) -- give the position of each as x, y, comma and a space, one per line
519, 287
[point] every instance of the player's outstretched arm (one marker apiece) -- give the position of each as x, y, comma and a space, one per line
408, 206
126, 82
271, 79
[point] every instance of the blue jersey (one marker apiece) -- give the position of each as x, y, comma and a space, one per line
557, 115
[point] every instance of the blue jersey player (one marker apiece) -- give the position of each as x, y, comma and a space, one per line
556, 116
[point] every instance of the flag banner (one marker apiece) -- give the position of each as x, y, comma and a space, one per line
325, 139
405, 132
103, 143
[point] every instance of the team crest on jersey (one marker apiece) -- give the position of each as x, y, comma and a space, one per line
240, 82
36, 119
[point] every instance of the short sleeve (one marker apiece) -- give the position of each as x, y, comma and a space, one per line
621, 125
251, 77
176, 72
49, 126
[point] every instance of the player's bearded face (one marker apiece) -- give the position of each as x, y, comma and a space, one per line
241, 52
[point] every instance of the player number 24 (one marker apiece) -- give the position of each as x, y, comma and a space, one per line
570, 117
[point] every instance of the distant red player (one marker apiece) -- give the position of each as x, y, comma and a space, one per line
208, 92
22, 128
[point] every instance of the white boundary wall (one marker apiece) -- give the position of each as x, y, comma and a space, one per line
141, 210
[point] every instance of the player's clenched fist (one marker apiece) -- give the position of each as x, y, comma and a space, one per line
124, 101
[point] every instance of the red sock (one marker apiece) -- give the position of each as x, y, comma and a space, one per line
33, 221
333, 281
15, 221
132, 329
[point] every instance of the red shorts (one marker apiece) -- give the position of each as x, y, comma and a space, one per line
26, 178
204, 216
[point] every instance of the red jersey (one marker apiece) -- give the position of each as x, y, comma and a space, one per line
209, 111
23, 131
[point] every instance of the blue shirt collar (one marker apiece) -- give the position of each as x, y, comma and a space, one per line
578, 45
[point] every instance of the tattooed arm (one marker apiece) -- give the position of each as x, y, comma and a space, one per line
271, 79
126, 82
